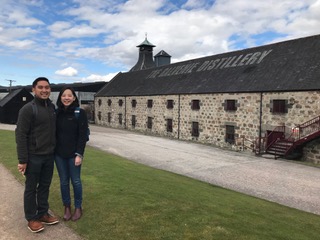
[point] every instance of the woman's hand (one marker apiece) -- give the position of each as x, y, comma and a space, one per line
77, 161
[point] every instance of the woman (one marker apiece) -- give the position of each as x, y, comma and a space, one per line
71, 141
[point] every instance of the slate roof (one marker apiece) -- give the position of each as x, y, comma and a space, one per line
286, 66
162, 53
11, 96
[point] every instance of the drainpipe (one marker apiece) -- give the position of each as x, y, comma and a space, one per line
125, 112
260, 124
178, 116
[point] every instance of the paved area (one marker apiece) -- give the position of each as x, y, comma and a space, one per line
287, 183
12, 223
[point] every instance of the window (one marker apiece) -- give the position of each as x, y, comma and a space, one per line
133, 121
150, 103
278, 106
195, 104
109, 117
99, 102
195, 129
149, 123
120, 118
99, 115
109, 102
169, 125
134, 103
230, 105
169, 104
230, 136
120, 102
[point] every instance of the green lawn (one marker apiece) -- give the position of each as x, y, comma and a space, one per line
127, 200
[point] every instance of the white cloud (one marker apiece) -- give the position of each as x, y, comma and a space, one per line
68, 72
19, 18
97, 78
67, 30
107, 32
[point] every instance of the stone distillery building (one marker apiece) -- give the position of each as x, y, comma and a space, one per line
262, 99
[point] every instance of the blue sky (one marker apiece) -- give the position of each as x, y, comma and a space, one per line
92, 40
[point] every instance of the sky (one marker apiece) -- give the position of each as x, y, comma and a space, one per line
71, 41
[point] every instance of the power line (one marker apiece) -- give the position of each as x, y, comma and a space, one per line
11, 81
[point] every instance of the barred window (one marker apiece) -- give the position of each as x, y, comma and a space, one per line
230, 134
149, 123
109, 117
169, 125
195, 129
99, 115
195, 104
150, 103
120, 118
134, 103
230, 105
120, 102
133, 121
99, 102
279, 106
109, 102
169, 104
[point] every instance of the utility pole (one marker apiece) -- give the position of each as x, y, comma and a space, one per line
11, 81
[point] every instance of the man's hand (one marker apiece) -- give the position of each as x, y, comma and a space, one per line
22, 168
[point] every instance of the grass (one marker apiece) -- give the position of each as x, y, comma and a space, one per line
126, 200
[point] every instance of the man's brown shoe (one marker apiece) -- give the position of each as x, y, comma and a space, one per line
35, 226
48, 219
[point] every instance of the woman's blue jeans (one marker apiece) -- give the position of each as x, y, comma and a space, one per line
68, 171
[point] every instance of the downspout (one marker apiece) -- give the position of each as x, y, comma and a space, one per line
178, 116
125, 112
260, 124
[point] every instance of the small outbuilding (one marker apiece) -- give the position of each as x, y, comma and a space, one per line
12, 103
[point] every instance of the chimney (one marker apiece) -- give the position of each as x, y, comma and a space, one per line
162, 58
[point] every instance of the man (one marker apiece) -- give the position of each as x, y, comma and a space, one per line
35, 138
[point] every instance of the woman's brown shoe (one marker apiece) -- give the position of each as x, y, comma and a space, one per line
67, 213
77, 214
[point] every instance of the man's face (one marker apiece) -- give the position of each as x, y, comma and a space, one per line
42, 90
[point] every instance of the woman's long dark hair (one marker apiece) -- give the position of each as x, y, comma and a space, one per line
73, 105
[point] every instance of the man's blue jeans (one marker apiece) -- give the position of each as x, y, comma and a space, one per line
68, 171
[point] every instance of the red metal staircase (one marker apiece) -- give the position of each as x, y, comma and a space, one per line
281, 144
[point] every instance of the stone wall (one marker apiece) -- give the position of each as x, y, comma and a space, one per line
212, 118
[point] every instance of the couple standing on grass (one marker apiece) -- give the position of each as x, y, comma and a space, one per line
45, 135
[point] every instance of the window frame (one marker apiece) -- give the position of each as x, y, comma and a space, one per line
150, 103
195, 104
195, 129
149, 123
133, 121
169, 125
230, 105
279, 106
230, 136
120, 118
170, 104
133, 103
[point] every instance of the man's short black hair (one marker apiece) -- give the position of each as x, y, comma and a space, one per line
34, 84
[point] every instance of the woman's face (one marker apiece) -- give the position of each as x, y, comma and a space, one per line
67, 98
